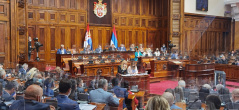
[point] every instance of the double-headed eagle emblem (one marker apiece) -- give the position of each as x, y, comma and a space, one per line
100, 9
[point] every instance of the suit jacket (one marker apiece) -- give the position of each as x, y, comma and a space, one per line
6, 96
3, 82
22, 71
112, 49
137, 55
48, 92
25, 104
80, 90
231, 105
121, 49
67, 104
101, 96
122, 71
98, 50
59, 51
121, 92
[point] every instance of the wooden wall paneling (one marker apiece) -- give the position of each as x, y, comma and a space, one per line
64, 21
52, 43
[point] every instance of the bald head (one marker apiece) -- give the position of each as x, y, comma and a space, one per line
235, 95
169, 97
33, 92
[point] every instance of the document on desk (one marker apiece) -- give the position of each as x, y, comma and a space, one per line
87, 107
141, 74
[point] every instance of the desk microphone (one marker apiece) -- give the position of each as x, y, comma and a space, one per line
192, 103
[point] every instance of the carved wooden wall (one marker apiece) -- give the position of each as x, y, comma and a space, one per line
8, 50
206, 35
57, 22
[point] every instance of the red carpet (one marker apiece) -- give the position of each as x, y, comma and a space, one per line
160, 87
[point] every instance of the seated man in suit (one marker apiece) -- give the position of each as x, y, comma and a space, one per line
3, 78
49, 85
61, 50
235, 99
32, 100
99, 49
101, 95
164, 49
23, 71
9, 94
119, 92
121, 48
112, 48
80, 85
64, 91
174, 55
87, 49
170, 98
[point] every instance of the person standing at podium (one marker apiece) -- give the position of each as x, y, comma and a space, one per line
122, 69
61, 50
132, 69
137, 54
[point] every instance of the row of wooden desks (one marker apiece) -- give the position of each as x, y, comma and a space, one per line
125, 55
184, 106
232, 71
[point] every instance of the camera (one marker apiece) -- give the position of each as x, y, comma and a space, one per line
170, 45
37, 44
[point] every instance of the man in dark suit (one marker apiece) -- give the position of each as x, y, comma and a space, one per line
99, 49
101, 95
112, 48
64, 91
121, 48
61, 50
9, 94
23, 71
31, 101
235, 99
119, 92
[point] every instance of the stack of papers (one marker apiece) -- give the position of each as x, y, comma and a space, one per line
87, 107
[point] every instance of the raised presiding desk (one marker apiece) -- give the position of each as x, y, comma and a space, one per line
125, 55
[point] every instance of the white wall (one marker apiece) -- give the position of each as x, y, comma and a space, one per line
215, 7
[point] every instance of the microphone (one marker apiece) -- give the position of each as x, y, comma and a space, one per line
189, 106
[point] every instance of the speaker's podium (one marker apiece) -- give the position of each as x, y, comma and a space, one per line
142, 83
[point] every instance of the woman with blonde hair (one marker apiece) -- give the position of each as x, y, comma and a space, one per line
157, 103
122, 69
132, 69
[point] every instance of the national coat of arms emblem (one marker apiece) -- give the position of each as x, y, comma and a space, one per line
100, 9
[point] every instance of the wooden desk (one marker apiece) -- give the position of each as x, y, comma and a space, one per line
143, 86
199, 72
184, 106
59, 57
99, 106
232, 71
140, 96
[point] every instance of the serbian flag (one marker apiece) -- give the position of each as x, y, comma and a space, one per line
88, 40
114, 38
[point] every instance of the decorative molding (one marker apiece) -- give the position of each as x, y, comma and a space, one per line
176, 16
22, 30
21, 3
176, 33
